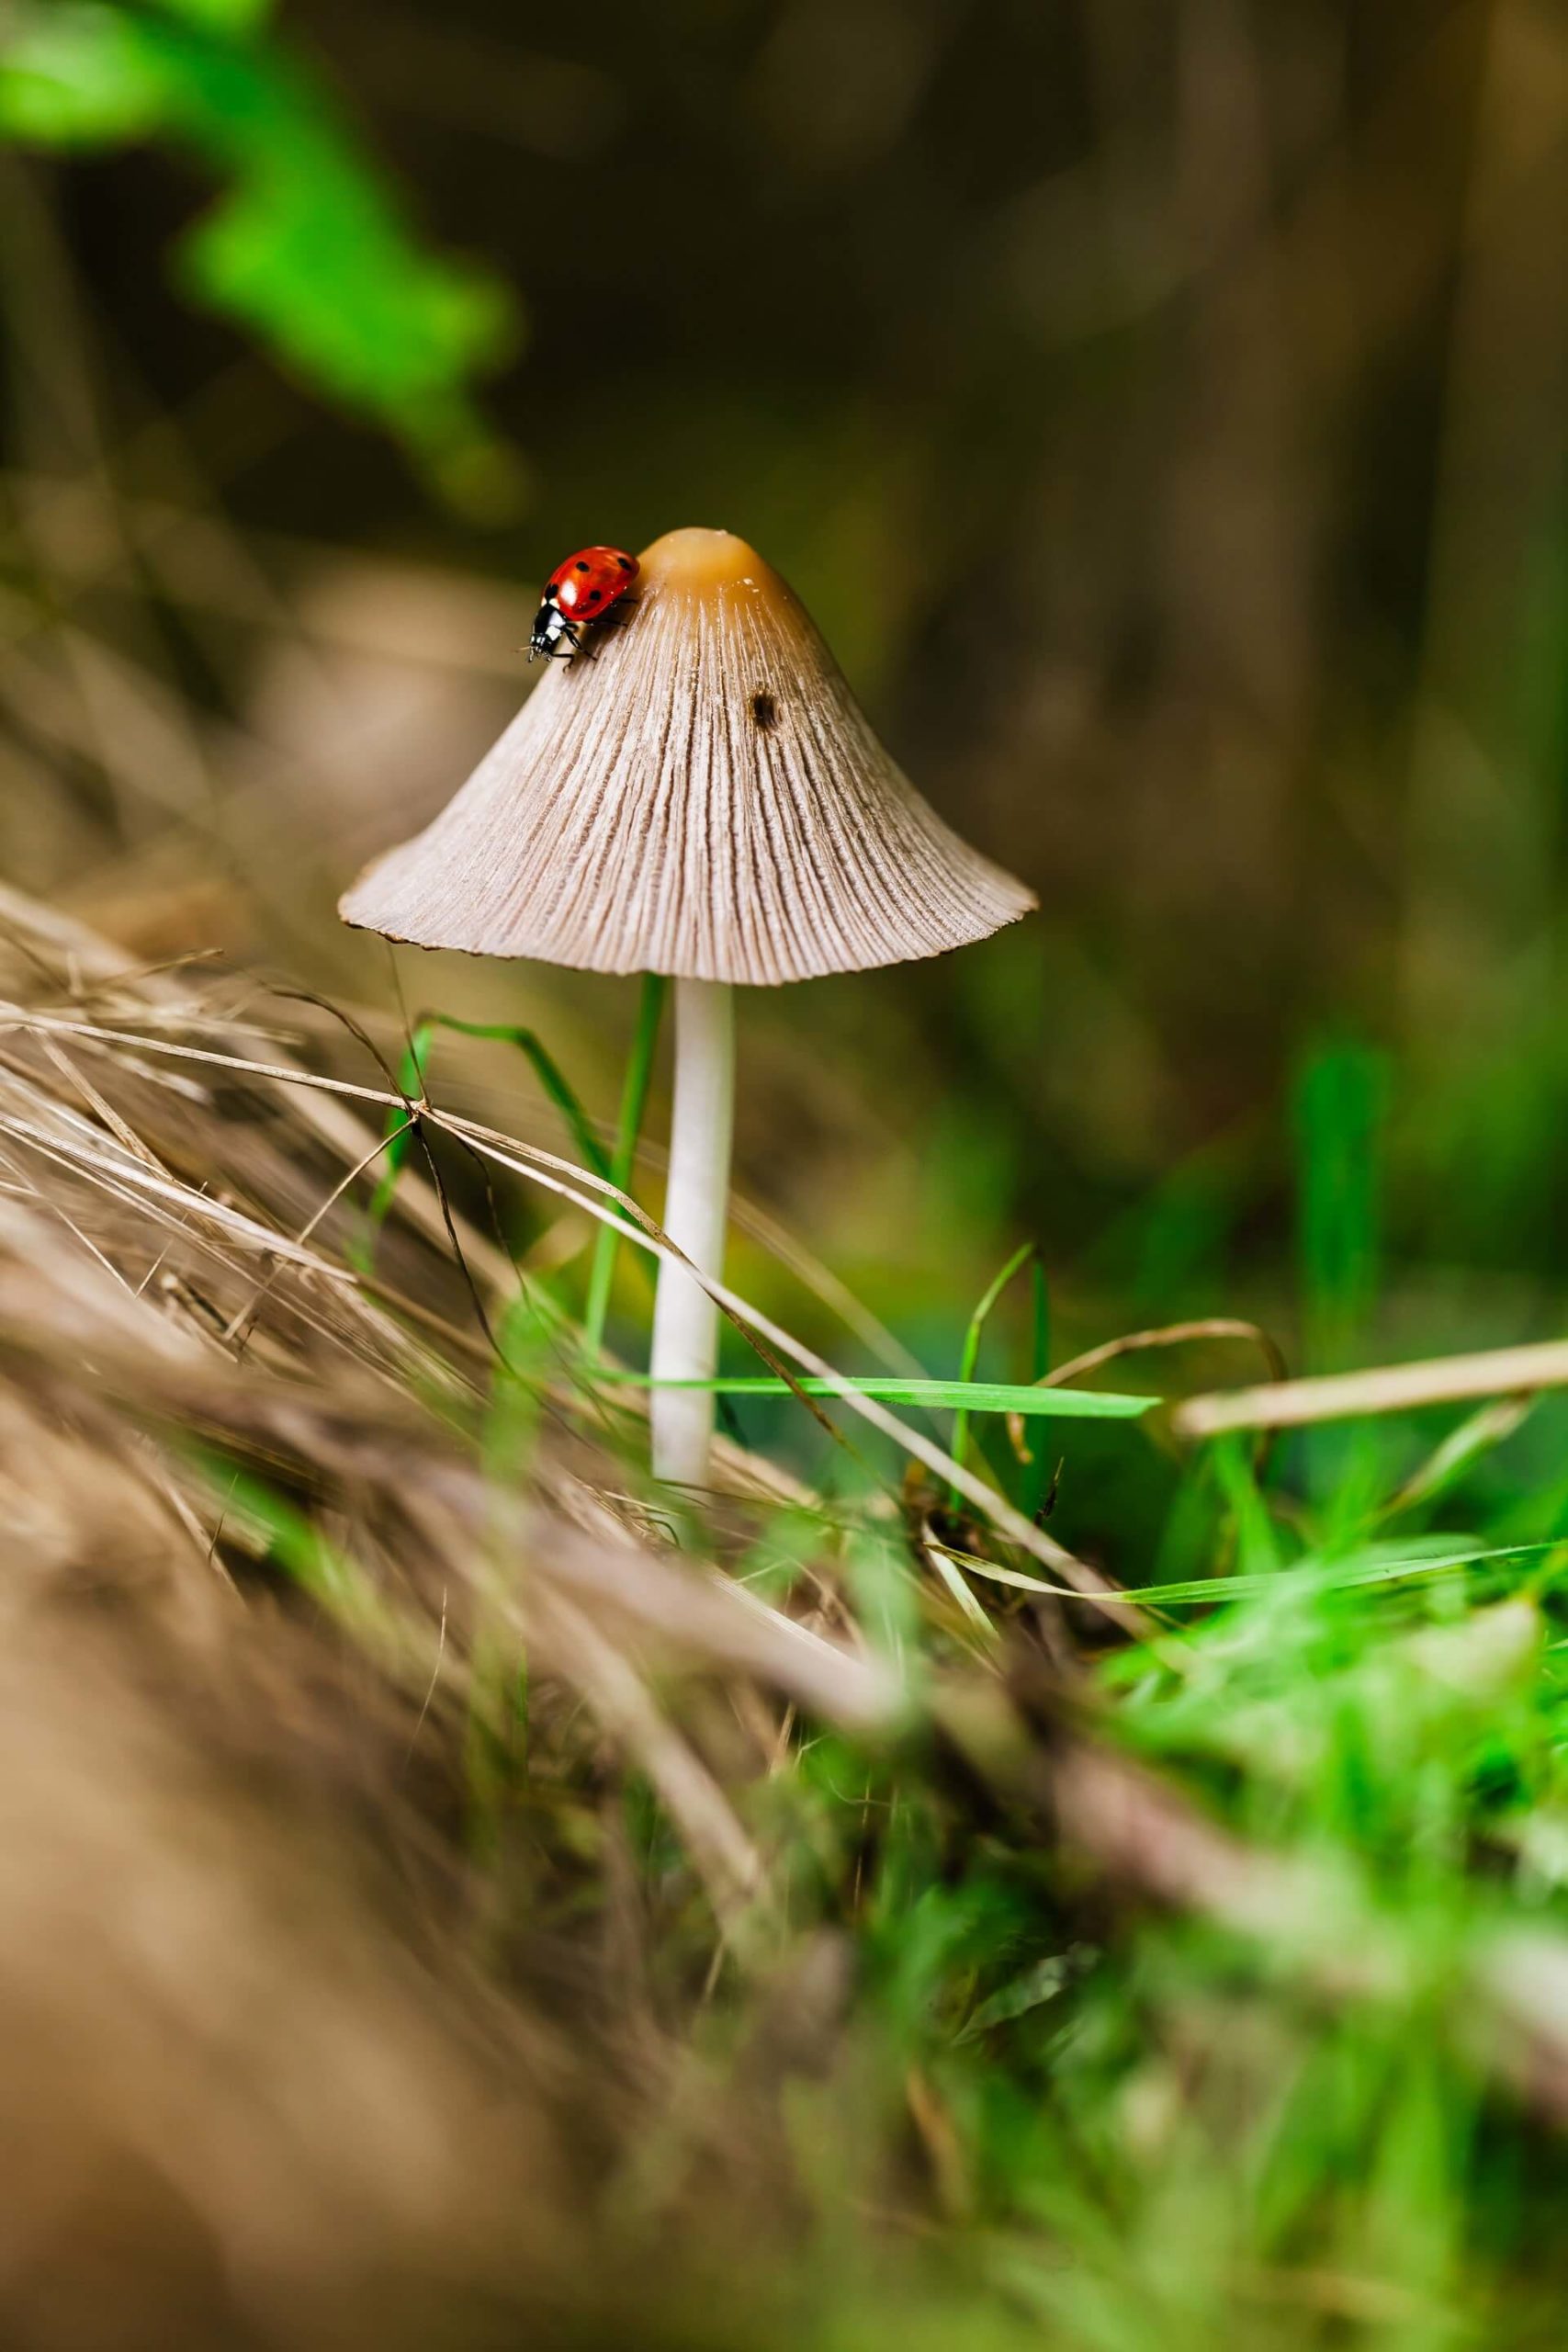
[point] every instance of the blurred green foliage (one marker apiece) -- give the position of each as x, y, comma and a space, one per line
308, 247
1339, 1098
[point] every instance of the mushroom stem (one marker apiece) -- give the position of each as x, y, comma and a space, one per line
685, 1319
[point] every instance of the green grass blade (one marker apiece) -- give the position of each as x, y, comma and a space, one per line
1037, 1473
1310, 1576
412, 1073
971, 1355
399, 1131
1339, 1116
634, 1104
935, 1395
947, 1570
1490, 1425
1336, 1576
1340, 1105
1040, 1343
551, 1076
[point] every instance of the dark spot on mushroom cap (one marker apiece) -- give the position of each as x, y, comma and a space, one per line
764, 710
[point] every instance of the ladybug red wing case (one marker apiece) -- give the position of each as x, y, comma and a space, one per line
589, 582
581, 590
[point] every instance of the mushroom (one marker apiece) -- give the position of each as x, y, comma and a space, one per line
702, 797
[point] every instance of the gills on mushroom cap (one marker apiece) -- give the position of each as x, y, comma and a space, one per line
704, 797
696, 792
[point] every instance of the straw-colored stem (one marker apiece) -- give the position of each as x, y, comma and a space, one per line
1389, 1388
685, 1319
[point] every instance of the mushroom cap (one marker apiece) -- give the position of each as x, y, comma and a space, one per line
703, 796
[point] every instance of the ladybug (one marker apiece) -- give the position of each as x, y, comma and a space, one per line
581, 589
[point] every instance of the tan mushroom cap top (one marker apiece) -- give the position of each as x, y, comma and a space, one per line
704, 797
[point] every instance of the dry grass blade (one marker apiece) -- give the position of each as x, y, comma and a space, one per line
1389, 1388
546, 1169
731, 1866
165, 1378
1170, 1335
601, 1201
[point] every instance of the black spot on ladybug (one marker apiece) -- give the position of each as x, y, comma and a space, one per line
579, 566
764, 710
625, 563
595, 596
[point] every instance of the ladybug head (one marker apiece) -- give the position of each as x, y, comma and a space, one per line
551, 627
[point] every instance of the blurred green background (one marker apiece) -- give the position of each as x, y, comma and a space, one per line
1160, 404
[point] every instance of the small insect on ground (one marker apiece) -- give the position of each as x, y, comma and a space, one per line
578, 592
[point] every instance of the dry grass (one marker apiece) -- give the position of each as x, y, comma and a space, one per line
283, 2059
384, 1803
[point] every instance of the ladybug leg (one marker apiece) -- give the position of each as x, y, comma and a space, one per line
617, 614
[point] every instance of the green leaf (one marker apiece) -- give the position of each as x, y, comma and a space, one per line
220, 16
307, 247
81, 77
1035, 1985
314, 262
